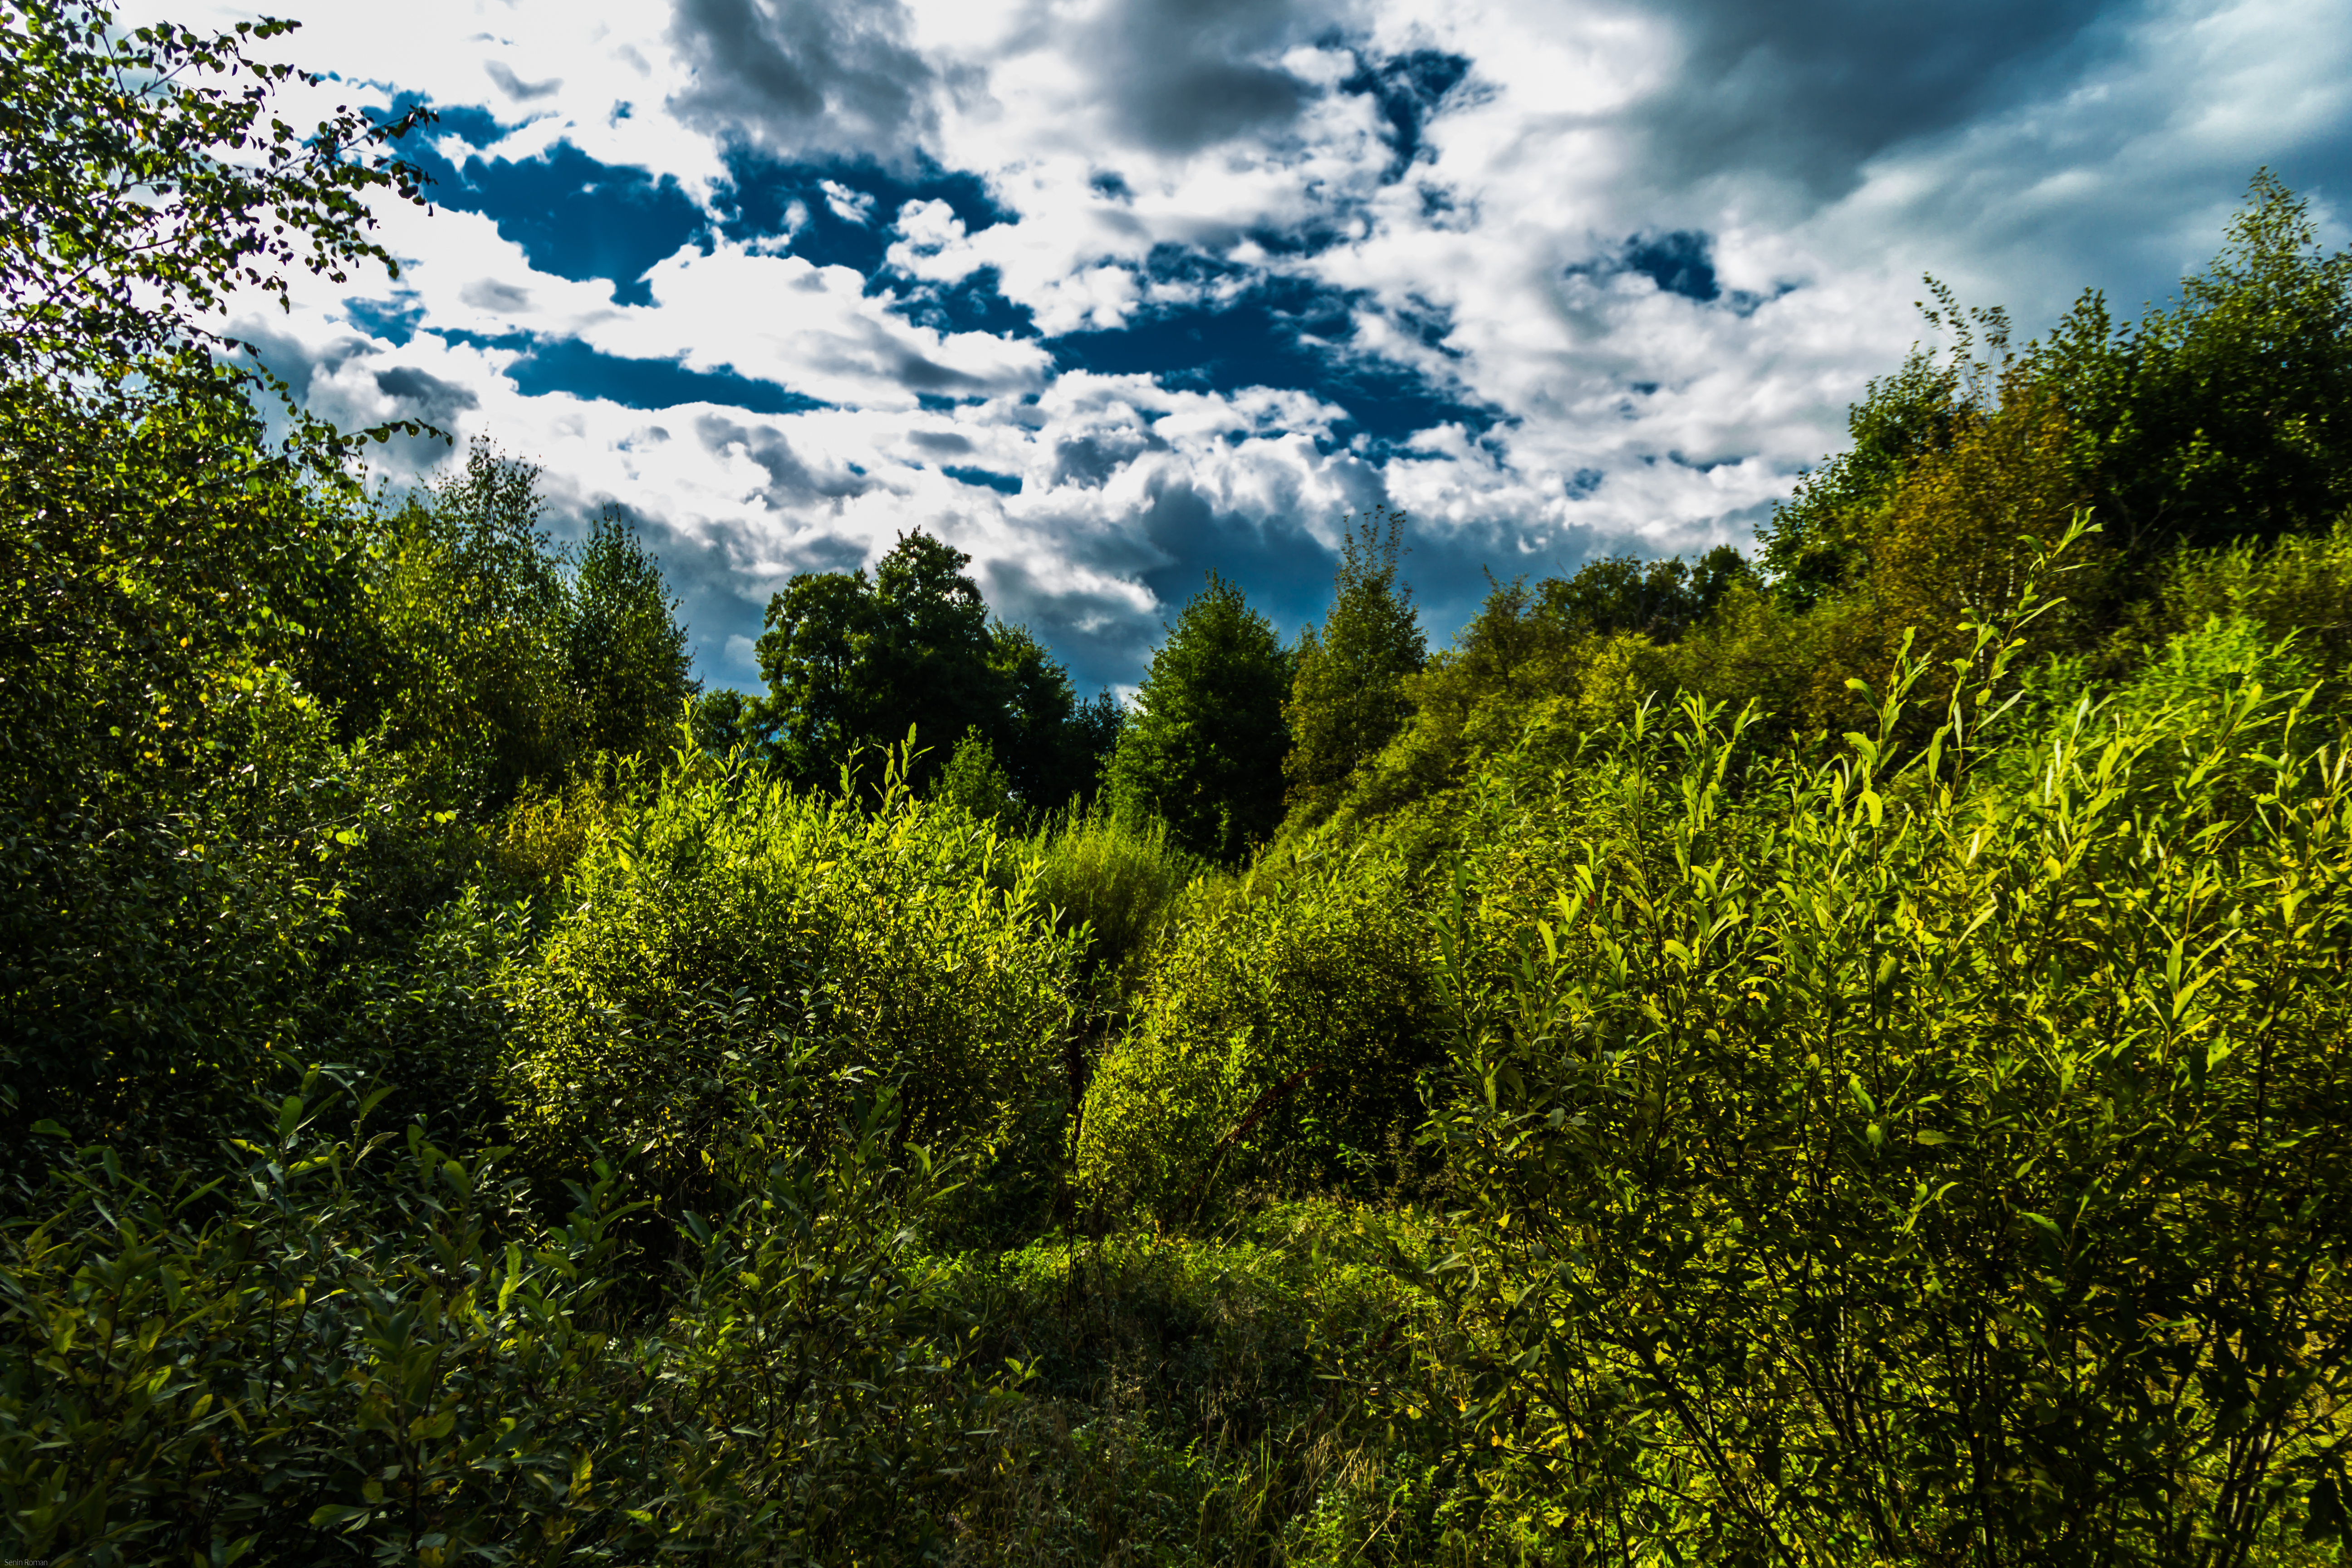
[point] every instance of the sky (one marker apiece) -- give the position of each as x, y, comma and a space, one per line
1112, 294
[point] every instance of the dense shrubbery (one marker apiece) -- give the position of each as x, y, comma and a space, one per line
1711, 1068
735, 925
1901, 1156
1278, 1041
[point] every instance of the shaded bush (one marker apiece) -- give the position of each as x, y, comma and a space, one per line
355, 1352
1277, 1041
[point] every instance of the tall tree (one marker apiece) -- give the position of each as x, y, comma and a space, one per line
852, 661
623, 645
1203, 750
173, 575
472, 608
1347, 697
2227, 417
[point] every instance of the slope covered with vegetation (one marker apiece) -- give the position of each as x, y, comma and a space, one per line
1838, 1059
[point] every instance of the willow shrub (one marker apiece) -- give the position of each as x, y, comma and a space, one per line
885, 940
1889, 1158
348, 1349
1277, 1042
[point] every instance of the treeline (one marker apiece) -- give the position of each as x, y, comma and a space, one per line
1833, 1060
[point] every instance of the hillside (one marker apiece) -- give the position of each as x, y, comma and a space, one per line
1832, 1057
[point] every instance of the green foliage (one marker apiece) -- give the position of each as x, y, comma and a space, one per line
468, 663
1176, 1411
733, 912
2221, 418
1659, 599
1862, 1158
1813, 544
180, 827
1926, 1148
1203, 750
1116, 877
852, 663
1277, 1042
623, 646
727, 721
369, 1351
144, 176
973, 782
1565, 654
1347, 692
2227, 417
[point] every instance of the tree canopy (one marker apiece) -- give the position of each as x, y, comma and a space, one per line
1204, 748
1347, 696
853, 662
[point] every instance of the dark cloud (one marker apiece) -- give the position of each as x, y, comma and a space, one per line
943, 442
795, 74
522, 91
1812, 89
424, 396
920, 373
1089, 461
489, 294
1176, 75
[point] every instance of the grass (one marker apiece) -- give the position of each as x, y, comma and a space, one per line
1177, 1408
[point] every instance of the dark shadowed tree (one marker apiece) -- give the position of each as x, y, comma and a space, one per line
852, 661
1348, 696
1658, 599
1203, 749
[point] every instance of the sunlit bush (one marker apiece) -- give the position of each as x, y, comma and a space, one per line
874, 934
1904, 1157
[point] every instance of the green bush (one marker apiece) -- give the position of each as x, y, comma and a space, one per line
1278, 1041
355, 1350
878, 937
1888, 1158
1117, 877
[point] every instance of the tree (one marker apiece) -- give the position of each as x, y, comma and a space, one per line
2224, 417
1203, 750
177, 824
1660, 600
727, 720
473, 610
2227, 417
623, 645
144, 177
1816, 539
852, 662
1347, 697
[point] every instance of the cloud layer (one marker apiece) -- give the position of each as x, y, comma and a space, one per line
1111, 295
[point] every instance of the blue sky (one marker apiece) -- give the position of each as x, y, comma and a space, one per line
1112, 294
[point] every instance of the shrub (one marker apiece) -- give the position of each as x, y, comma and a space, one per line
1277, 1040
1117, 877
732, 910
349, 1353
1888, 1158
